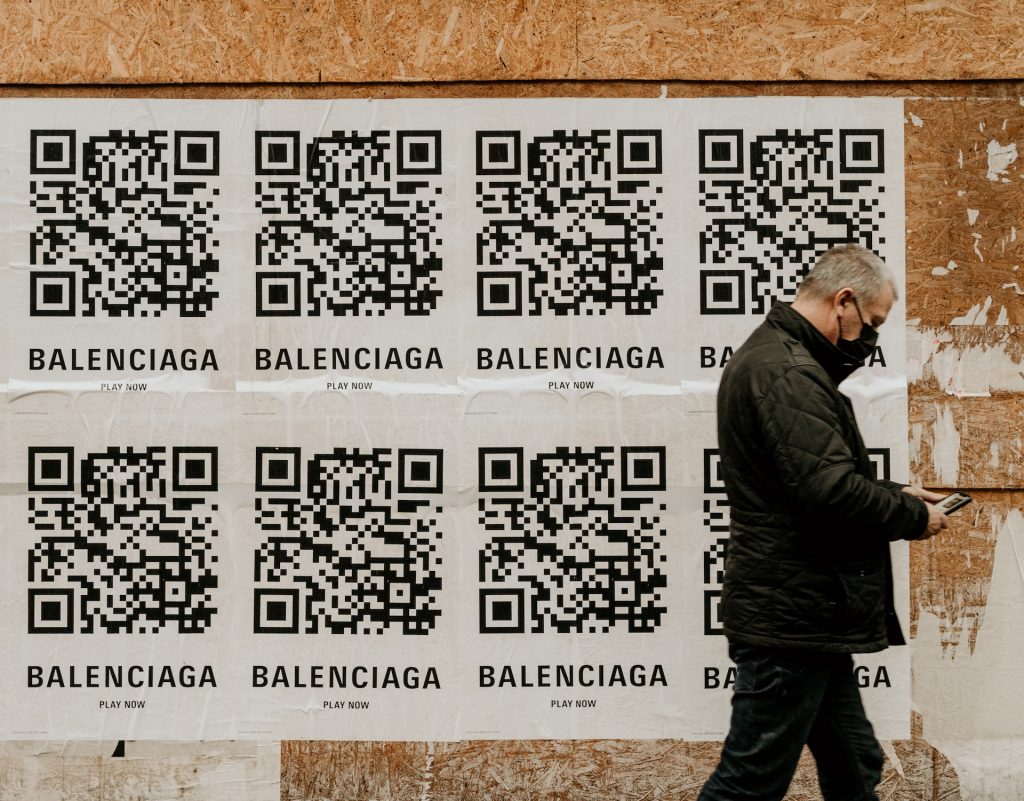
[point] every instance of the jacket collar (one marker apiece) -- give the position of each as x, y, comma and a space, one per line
837, 364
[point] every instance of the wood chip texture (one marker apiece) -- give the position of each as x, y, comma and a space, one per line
552, 770
312, 41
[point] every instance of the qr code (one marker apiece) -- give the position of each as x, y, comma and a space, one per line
124, 225
570, 222
579, 548
350, 227
126, 553
772, 203
716, 523
352, 541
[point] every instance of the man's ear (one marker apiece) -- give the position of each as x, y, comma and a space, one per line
842, 296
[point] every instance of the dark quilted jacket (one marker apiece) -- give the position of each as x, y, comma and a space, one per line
807, 564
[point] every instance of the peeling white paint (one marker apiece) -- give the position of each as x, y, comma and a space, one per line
994, 461
1004, 316
915, 444
977, 250
1000, 157
940, 271
961, 160
970, 705
972, 370
972, 216
945, 447
1014, 285
664, 91
197, 771
918, 122
894, 759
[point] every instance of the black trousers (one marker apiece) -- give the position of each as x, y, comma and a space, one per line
782, 699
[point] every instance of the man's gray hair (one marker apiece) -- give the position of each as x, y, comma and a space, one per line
848, 266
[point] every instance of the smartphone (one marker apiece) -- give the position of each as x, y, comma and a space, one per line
953, 502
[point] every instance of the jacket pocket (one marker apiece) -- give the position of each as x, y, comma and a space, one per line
812, 597
864, 590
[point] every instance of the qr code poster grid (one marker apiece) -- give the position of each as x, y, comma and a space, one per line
351, 540
574, 539
123, 222
123, 540
771, 202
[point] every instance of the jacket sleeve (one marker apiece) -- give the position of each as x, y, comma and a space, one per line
802, 431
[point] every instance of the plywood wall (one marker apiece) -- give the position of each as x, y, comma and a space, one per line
965, 287
311, 41
588, 770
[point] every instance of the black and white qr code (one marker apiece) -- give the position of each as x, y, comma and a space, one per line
352, 538
716, 525
772, 203
575, 540
350, 223
570, 222
124, 223
129, 552
715, 516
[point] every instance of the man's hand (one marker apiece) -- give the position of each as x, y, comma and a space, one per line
936, 517
925, 495
936, 521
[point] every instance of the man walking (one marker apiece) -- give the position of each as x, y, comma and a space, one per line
808, 580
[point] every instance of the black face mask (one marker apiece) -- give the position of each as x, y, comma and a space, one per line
864, 345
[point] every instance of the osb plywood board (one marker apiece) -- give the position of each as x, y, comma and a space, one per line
824, 39
242, 41
967, 442
247, 41
1000, 90
951, 573
966, 405
965, 212
206, 771
596, 770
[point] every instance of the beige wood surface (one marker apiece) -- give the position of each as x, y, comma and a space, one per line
965, 226
311, 41
1009, 90
553, 770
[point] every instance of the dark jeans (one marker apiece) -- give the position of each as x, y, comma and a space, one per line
782, 699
